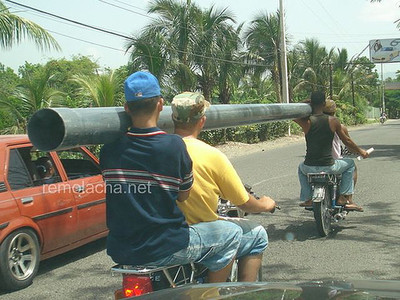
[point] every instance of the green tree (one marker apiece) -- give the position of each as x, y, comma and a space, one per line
8, 83
178, 22
63, 70
313, 66
13, 29
34, 92
262, 39
208, 46
100, 90
230, 68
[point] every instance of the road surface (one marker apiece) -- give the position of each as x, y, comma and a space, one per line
364, 246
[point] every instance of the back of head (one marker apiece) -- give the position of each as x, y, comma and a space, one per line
317, 98
141, 85
44, 166
188, 107
142, 92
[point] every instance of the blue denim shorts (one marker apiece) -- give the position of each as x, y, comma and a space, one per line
213, 244
254, 239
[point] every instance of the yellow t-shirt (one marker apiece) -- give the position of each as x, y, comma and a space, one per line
213, 176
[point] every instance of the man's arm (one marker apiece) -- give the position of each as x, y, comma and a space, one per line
253, 205
343, 134
232, 189
183, 195
304, 124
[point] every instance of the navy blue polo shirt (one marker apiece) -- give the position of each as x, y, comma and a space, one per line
144, 171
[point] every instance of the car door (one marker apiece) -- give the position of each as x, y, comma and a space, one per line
48, 205
87, 185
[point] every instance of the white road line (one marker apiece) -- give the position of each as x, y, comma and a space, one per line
272, 178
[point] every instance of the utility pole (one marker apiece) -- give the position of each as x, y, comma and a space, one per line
330, 81
352, 89
285, 84
383, 90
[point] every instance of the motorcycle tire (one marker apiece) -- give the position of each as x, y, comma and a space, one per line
322, 215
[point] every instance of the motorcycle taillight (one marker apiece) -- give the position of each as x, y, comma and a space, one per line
134, 285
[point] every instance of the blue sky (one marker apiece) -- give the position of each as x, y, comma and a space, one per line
346, 24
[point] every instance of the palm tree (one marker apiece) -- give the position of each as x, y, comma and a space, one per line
314, 66
231, 70
33, 94
178, 23
13, 29
100, 90
214, 36
262, 39
148, 52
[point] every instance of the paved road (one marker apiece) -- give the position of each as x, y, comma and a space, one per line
364, 246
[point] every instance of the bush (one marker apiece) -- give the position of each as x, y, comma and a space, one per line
249, 134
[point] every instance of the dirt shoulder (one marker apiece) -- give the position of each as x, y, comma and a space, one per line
234, 149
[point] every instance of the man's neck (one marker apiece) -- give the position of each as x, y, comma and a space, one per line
184, 133
318, 110
145, 122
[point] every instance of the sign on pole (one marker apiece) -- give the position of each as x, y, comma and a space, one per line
384, 50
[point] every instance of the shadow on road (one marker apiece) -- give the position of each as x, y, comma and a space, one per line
389, 152
72, 256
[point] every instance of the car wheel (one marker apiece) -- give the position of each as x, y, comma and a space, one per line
19, 259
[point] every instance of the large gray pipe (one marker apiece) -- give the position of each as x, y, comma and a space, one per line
53, 129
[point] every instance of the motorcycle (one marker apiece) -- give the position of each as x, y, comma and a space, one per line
324, 200
324, 187
139, 280
382, 119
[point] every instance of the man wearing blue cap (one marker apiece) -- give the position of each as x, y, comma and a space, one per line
146, 171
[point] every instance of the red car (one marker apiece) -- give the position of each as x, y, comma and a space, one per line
50, 203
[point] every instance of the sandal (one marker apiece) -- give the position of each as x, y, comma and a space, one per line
353, 207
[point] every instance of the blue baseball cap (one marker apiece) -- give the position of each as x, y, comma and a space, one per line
141, 85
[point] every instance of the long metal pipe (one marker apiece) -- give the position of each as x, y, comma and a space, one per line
53, 129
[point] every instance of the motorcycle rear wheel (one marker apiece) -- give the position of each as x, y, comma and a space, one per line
322, 215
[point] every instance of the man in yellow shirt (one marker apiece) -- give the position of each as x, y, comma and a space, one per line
215, 176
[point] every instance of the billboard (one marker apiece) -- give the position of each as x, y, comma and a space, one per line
384, 50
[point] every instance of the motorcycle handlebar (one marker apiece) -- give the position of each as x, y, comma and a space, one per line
250, 191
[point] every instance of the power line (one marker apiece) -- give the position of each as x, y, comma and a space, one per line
129, 10
85, 41
130, 38
125, 36
128, 4
72, 21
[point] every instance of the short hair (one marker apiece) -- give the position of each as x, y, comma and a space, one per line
145, 106
317, 97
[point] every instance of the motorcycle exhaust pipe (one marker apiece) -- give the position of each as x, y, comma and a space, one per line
52, 129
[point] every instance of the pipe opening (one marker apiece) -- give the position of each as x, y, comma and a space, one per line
46, 129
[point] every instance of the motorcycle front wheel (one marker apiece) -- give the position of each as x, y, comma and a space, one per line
322, 215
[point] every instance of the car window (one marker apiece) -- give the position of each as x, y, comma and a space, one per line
18, 176
78, 164
29, 167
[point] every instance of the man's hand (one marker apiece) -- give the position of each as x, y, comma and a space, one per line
364, 153
253, 205
268, 202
